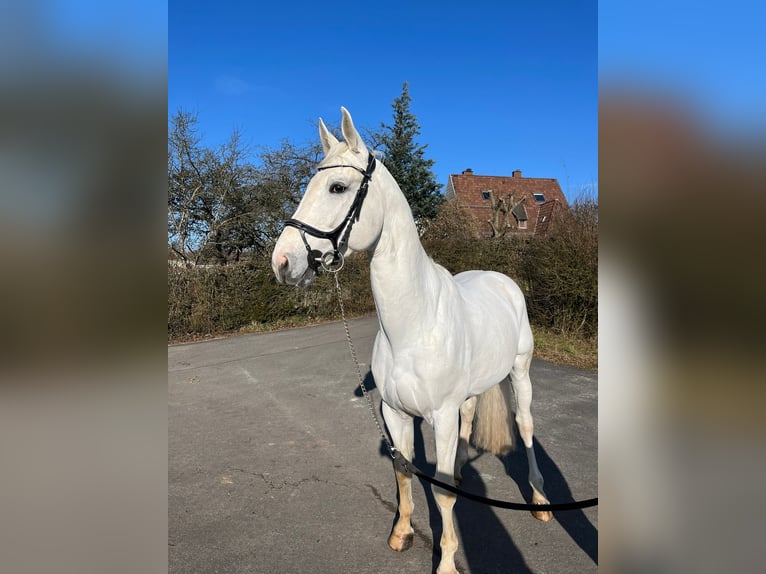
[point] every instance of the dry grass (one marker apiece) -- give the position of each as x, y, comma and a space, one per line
566, 349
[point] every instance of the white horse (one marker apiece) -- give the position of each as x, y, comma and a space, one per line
444, 340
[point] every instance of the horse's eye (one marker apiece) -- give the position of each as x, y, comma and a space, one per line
337, 188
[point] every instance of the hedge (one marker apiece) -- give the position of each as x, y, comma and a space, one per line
557, 274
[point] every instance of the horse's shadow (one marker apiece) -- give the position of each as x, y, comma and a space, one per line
486, 543
574, 522
369, 384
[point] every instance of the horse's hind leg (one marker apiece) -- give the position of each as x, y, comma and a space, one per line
467, 410
522, 388
402, 431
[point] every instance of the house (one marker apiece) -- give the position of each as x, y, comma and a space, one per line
508, 205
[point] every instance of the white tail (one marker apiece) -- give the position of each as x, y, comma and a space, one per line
493, 425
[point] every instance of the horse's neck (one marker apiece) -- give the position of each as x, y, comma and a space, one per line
403, 277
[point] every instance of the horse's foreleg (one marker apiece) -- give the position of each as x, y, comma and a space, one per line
467, 410
446, 431
402, 432
522, 388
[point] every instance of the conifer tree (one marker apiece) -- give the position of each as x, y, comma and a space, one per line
406, 161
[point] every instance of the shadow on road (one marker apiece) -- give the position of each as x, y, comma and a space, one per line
574, 522
369, 384
486, 543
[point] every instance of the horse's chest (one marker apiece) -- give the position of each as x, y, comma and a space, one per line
416, 382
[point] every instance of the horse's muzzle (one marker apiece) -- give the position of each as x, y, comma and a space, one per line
280, 266
284, 272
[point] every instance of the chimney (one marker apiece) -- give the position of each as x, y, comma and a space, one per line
516, 173
468, 171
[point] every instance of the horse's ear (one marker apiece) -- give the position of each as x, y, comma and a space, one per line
352, 137
328, 140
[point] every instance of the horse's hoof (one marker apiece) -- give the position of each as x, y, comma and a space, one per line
544, 516
401, 543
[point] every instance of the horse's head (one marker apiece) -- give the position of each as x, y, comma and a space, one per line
336, 215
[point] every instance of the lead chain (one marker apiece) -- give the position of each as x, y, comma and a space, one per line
391, 449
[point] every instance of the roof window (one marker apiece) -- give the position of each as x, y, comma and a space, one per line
539, 197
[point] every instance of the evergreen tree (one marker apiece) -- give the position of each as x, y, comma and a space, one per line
406, 161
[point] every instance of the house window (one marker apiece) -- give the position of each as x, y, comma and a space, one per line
522, 224
539, 197
485, 195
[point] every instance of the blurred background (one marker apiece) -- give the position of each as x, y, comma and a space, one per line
682, 153
83, 429
83, 401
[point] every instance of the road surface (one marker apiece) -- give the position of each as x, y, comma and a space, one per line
275, 466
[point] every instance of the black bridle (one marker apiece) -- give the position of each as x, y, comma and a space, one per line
338, 236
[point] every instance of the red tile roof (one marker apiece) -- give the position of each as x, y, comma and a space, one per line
546, 215
467, 188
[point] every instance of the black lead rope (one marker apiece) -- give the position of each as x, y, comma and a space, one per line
403, 465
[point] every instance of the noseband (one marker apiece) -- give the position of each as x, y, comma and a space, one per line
333, 260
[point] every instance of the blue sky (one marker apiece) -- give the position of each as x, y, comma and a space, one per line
707, 56
496, 86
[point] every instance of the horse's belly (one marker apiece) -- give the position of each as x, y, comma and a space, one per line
491, 363
492, 324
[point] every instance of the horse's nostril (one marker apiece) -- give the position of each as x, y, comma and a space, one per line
282, 265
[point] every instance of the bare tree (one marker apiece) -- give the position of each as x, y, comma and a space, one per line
221, 205
502, 211
185, 183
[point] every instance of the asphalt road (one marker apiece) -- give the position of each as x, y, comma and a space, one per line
275, 466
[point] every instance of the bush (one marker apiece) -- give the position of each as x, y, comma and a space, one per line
208, 300
212, 300
451, 223
561, 287
459, 255
558, 275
